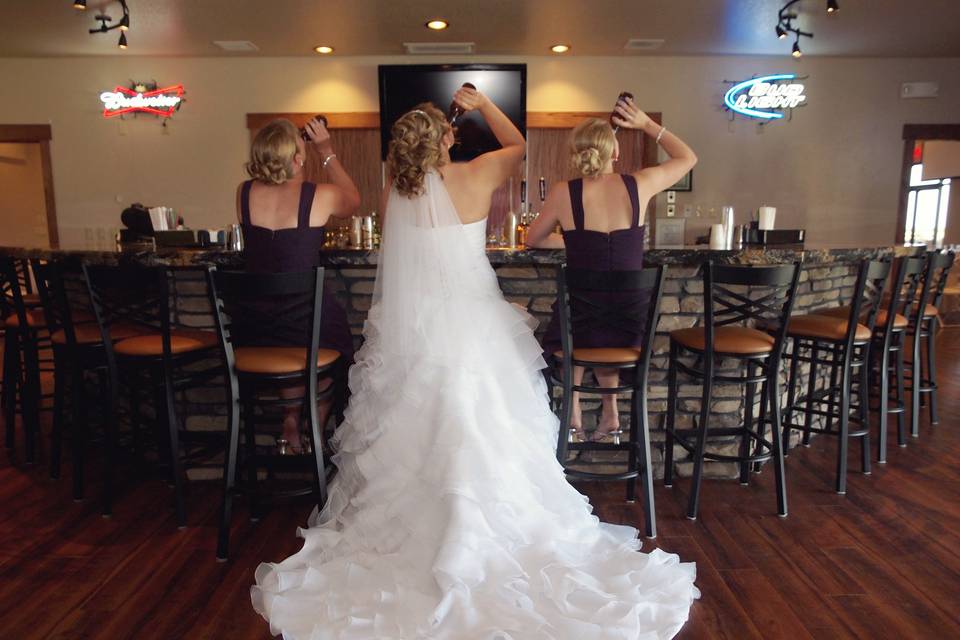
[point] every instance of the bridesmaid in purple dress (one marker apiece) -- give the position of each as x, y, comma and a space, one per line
283, 218
602, 218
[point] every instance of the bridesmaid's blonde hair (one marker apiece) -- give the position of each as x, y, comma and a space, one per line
591, 146
415, 147
272, 152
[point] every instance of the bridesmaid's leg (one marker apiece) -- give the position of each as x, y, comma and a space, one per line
576, 419
610, 414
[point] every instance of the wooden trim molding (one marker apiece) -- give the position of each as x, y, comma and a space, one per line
931, 132
25, 133
345, 120
40, 134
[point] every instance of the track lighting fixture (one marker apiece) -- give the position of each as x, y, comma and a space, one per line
80, 5
785, 24
123, 24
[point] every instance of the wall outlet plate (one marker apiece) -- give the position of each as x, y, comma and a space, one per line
671, 210
671, 196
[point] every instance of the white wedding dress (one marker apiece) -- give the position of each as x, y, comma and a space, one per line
449, 517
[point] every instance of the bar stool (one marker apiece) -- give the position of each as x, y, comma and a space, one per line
262, 320
139, 297
620, 301
734, 296
888, 347
25, 338
845, 343
924, 317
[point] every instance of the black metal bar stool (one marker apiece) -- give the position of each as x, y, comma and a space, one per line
924, 317
25, 340
627, 301
842, 344
165, 354
734, 297
888, 348
263, 320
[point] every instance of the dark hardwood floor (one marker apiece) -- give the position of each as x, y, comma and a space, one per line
881, 562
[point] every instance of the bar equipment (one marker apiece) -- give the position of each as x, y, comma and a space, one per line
303, 129
235, 238
718, 239
367, 232
766, 216
623, 95
726, 217
356, 232
456, 110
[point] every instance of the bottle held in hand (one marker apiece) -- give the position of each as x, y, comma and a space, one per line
623, 96
303, 130
456, 110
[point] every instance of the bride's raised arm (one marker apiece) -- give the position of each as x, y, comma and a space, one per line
493, 168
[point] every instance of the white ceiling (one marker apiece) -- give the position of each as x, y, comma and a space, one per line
877, 28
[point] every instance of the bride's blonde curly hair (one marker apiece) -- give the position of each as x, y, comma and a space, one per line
272, 152
591, 146
415, 147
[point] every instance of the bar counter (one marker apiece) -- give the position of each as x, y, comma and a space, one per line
528, 278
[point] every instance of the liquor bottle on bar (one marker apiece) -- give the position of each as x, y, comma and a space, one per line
524, 222
623, 96
456, 110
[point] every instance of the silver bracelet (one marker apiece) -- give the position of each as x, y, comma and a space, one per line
660, 135
330, 157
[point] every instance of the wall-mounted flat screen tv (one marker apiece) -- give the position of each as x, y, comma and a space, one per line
402, 87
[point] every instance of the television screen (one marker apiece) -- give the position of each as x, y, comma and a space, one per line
402, 87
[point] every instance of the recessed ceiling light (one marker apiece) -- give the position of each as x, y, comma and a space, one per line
437, 24
80, 5
560, 48
323, 49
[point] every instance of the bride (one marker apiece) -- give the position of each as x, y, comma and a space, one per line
450, 518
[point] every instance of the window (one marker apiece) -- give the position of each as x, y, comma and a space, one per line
926, 208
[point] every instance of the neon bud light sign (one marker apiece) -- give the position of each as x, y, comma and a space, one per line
161, 102
762, 97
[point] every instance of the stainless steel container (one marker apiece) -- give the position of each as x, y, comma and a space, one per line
235, 238
356, 232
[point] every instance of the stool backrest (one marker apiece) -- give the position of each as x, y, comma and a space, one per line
903, 287
618, 301
748, 295
872, 278
11, 290
63, 296
267, 309
130, 294
934, 281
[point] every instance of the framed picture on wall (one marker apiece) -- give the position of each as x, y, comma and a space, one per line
683, 184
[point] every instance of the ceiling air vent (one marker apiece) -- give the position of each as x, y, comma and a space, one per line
236, 45
438, 48
643, 44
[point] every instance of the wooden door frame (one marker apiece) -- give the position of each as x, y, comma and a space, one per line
42, 135
912, 133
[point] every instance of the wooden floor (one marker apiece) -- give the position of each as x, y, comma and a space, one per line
881, 562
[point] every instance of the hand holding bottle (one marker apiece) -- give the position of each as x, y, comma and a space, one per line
628, 115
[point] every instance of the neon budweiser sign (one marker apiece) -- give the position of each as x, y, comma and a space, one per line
160, 102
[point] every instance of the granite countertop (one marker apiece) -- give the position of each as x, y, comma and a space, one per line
690, 256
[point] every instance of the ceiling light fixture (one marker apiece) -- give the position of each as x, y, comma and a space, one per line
123, 24
437, 24
323, 49
80, 5
832, 6
785, 25
560, 48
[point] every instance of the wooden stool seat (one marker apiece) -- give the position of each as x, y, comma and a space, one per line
899, 320
279, 360
181, 341
930, 311
34, 320
726, 340
87, 334
823, 327
605, 355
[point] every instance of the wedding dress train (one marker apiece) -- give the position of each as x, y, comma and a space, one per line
449, 517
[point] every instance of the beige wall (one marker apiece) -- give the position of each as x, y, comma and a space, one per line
23, 206
834, 169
